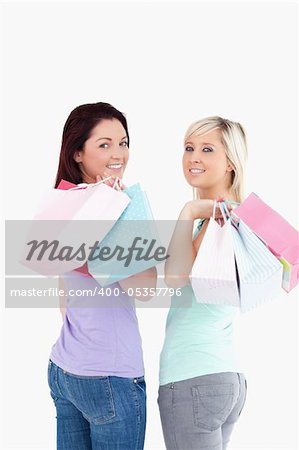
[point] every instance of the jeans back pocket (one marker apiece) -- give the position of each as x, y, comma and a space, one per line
212, 404
92, 396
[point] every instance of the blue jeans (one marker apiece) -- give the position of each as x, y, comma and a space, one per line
98, 412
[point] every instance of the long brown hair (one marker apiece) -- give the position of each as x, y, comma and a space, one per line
76, 131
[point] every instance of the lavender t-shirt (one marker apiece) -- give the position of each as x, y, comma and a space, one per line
100, 334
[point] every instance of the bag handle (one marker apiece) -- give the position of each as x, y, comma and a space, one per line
222, 210
226, 214
232, 217
116, 185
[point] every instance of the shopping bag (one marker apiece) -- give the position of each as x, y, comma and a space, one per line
213, 276
69, 223
65, 185
279, 236
136, 224
259, 271
94, 201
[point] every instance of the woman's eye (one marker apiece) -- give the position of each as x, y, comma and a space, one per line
104, 145
207, 149
124, 144
189, 149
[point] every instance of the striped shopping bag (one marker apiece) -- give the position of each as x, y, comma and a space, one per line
259, 272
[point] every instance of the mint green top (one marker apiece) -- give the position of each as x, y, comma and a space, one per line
198, 340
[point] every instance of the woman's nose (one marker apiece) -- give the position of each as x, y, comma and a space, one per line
117, 153
196, 156
196, 160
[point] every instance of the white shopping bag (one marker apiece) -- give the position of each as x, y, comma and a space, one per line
213, 277
76, 218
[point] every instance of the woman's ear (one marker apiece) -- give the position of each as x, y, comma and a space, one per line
78, 157
229, 167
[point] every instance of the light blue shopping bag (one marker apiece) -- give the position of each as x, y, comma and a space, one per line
259, 271
135, 224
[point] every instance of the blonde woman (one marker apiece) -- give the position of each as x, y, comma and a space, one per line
202, 389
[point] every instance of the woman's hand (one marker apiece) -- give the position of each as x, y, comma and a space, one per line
200, 209
111, 181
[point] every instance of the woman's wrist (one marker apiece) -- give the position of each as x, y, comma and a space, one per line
187, 213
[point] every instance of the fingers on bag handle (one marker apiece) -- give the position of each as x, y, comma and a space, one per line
224, 212
114, 183
117, 184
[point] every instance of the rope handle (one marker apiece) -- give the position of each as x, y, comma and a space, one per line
117, 184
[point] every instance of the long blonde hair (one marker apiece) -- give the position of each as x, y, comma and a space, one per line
234, 140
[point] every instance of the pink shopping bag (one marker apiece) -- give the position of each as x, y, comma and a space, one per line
279, 236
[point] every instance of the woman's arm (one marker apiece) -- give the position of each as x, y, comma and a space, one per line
182, 249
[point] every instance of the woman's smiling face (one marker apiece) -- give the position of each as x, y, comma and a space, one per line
205, 163
104, 152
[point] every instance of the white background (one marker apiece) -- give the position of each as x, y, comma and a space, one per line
165, 65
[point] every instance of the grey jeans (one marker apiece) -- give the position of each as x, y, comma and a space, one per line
200, 413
